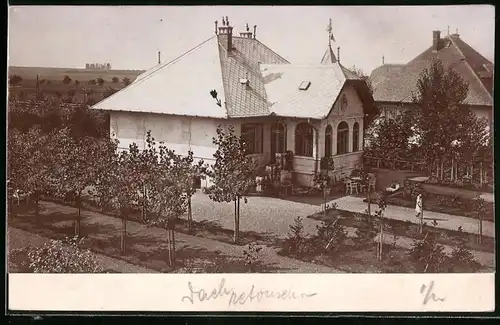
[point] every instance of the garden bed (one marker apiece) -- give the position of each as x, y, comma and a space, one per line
410, 230
449, 189
141, 250
443, 204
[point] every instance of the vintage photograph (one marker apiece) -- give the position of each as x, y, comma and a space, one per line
250, 139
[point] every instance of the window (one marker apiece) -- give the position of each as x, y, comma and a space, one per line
328, 141
304, 140
278, 139
355, 137
342, 138
304, 85
253, 134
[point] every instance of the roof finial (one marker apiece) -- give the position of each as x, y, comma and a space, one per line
227, 21
216, 22
448, 30
254, 30
330, 34
223, 21
338, 54
248, 29
383, 60
457, 31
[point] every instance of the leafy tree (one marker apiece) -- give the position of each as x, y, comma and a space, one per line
66, 80
330, 237
92, 82
108, 92
107, 165
126, 81
15, 80
72, 169
100, 81
442, 121
170, 198
124, 181
56, 256
233, 173
462, 257
115, 79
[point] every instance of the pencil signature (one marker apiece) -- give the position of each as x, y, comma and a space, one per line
427, 291
240, 298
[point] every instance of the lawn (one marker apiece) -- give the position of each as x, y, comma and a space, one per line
443, 204
410, 230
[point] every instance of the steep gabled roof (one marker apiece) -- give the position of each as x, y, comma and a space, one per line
400, 84
179, 87
329, 57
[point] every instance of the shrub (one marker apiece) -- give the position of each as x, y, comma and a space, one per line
412, 189
367, 230
428, 255
251, 256
330, 238
296, 240
462, 259
57, 256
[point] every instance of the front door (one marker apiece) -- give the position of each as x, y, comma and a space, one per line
278, 140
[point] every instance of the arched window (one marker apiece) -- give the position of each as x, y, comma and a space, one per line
328, 141
304, 140
355, 137
342, 138
278, 139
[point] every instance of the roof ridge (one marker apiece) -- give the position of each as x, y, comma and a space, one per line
470, 68
163, 65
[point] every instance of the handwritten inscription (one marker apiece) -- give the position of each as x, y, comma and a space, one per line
240, 298
427, 291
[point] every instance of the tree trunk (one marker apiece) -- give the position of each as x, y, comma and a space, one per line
442, 169
324, 199
37, 208
451, 170
123, 233
170, 261
481, 174
480, 237
189, 214
238, 222
369, 200
235, 236
78, 217
173, 244
381, 240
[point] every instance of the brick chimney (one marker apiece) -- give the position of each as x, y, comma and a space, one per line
436, 40
226, 30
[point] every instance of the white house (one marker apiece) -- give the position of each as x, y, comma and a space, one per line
312, 110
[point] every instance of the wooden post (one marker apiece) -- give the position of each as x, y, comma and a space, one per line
381, 238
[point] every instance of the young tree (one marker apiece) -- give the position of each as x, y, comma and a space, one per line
233, 173
125, 181
100, 81
170, 198
73, 169
126, 81
115, 79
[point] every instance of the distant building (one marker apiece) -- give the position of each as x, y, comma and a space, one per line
394, 84
98, 66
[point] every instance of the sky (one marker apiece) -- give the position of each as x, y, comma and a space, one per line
130, 37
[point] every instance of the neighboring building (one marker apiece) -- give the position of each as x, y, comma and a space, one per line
312, 110
394, 85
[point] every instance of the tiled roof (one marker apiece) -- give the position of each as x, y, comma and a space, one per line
282, 87
383, 72
400, 84
243, 62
